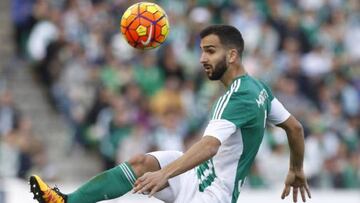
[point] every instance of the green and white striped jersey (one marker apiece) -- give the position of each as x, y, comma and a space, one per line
238, 120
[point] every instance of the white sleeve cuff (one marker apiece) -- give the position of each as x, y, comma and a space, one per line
278, 113
220, 128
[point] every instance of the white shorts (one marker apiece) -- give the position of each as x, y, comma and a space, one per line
184, 188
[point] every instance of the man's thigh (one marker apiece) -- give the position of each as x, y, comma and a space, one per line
164, 158
184, 187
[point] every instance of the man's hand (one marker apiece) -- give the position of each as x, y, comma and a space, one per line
151, 183
201, 151
296, 180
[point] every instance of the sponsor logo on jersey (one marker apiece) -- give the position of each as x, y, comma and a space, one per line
263, 95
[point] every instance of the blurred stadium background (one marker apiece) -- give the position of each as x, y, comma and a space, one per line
75, 99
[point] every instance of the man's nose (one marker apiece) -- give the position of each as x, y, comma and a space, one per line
203, 58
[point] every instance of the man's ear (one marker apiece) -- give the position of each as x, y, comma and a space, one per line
232, 55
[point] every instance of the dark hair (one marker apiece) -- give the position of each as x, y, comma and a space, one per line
228, 35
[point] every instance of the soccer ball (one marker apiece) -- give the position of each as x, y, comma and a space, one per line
145, 25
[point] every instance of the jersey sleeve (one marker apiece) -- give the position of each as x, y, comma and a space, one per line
221, 129
278, 113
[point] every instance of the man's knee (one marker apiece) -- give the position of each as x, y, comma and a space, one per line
143, 163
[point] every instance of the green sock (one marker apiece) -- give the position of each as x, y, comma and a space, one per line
109, 184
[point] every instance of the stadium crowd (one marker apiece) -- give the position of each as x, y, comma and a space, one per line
120, 101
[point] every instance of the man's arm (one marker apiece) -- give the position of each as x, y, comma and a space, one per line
296, 177
201, 151
295, 135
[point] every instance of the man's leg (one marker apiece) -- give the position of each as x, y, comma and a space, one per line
109, 184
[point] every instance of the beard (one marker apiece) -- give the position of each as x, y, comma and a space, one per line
219, 70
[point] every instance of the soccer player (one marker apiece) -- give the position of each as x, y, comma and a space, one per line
213, 170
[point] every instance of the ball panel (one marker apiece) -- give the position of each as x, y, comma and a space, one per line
144, 22
158, 15
148, 48
157, 31
149, 16
134, 9
122, 29
142, 7
159, 9
132, 35
126, 14
152, 8
141, 30
165, 30
135, 24
163, 21
155, 44
127, 22
160, 39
